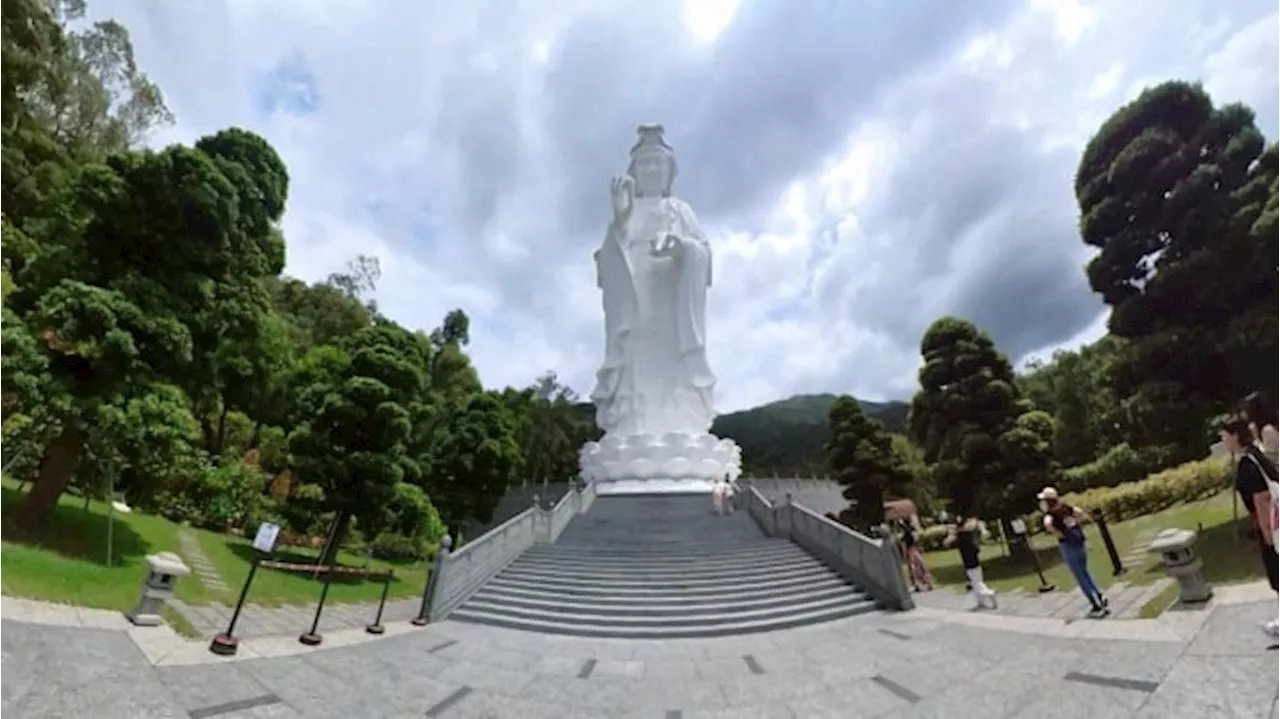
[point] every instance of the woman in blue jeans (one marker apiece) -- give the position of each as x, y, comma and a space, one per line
1064, 521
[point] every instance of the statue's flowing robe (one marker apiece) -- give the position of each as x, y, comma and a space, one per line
655, 377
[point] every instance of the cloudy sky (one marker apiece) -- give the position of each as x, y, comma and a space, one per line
861, 166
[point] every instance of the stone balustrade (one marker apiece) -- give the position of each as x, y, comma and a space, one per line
872, 564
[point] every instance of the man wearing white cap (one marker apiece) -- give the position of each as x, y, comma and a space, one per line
1063, 521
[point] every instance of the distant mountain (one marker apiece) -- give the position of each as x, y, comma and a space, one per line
788, 436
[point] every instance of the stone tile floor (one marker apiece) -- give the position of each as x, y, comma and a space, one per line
258, 621
64, 662
1065, 602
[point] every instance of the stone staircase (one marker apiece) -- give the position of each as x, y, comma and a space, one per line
663, 567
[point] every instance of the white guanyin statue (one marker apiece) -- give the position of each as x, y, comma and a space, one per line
654, 391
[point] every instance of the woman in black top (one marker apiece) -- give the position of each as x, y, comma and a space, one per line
1253, 471
965, 536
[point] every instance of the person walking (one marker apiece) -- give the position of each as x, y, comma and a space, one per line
717, 496
965, 535
917, 570
1064, 522
1256, 484
726, 495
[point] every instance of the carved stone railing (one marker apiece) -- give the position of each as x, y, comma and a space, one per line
458, 575
873, 564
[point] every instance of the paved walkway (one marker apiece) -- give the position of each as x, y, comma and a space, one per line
1065, 603
67, 662
200, 564
258, 621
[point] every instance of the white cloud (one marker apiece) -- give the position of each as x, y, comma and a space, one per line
469, 145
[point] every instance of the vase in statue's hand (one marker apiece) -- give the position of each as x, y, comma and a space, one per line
622, 193
666, 245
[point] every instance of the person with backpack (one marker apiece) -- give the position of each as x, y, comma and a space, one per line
1065, 522
1256, 482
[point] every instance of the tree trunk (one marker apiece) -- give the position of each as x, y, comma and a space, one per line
221, 437
56, 469
330, 555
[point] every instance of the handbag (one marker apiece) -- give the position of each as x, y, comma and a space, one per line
1268, 471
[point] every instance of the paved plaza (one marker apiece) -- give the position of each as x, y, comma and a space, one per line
64, 662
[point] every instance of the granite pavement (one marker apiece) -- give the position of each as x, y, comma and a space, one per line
67, 662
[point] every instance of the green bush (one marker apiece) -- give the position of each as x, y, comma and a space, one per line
1187, 482
1117, 465
230, 495
933, 538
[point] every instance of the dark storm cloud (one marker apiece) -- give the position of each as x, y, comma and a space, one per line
984, 226
778, 92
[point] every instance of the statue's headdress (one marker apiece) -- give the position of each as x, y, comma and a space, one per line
652, 141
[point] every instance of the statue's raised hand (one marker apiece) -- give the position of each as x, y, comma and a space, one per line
622, 192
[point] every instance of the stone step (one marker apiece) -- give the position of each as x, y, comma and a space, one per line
642, 550
717, 627
815, 572
624, 572
673, 606
742, 550
648, 591
606, 564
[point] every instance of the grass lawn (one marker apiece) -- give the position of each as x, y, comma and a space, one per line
1227, 557
68, 562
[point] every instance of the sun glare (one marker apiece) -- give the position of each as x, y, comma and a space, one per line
706, 19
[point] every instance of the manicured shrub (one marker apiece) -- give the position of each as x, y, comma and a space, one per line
1184, 483
1117, 465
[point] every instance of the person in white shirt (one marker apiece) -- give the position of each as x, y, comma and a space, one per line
717, 496
726, 496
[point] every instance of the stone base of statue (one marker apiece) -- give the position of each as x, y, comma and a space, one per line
670, 463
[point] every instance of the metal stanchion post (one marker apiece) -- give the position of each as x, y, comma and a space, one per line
226, 643
1019, 527
376, 627
1117, 567
313, 637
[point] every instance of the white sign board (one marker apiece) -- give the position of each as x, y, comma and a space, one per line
1018, 526
265, 541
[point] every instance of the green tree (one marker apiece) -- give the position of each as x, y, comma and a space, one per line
96, 99
1027, 451
1169, 188
476, 459
1077, 388
863, 461
144, 308
353, 440
967, 401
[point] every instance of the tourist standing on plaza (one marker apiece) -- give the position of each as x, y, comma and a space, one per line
966, 535
1256, 480
917, 571
1065, 522
1256, 483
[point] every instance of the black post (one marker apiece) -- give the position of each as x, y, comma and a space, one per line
226, 643
1025, 536
1117, 568
376, 627
312, 638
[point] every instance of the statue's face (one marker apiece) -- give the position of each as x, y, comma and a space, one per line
651, 171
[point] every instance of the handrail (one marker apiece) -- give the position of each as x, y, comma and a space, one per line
456, 576
495, 532
871, 563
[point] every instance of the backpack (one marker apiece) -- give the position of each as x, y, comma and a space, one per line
1269, 475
